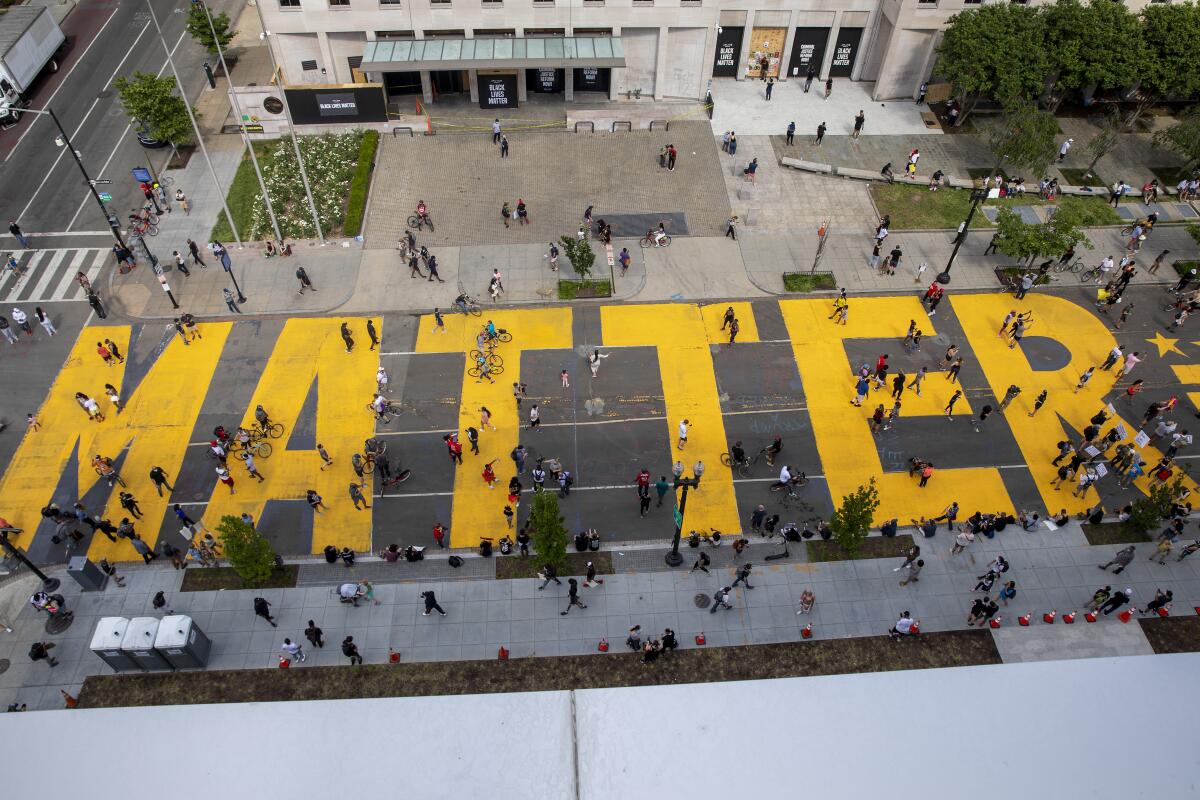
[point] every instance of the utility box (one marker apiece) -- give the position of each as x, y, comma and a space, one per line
181, 643
106, 643
89, 577
138, 644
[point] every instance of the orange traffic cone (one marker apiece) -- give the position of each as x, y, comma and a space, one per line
1090, 616
1196, 609
393, 656
503, 654
1069, 618
1165, 611
72, 702
284, 663
1023, 621
1125, 615
994, 622
603, 646
700, 638
806, 631
1048, 617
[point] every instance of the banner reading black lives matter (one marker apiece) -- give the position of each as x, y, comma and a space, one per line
349, 104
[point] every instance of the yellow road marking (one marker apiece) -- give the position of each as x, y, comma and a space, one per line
1088, 341
681, 335
1186, 373
849, 453
307, 350
477, 511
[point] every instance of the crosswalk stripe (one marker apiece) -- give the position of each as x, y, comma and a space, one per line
49, 270
64, 287
11, 279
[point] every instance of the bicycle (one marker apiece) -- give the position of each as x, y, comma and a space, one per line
1073, 266
145, 213
390, 410
475, 371
259, 448
1091, 275
791, 494
274, 431
493, 359
652, 240
501, 336
141, 227
417, 222
742, 467
469, 307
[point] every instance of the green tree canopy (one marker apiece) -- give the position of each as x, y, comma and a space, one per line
151, 101
550, 536
198, 27
1027, 241
997, 51
1184, 136
1170, 34
248, 551
1098, 44
580, 254
851, 521
1024, 139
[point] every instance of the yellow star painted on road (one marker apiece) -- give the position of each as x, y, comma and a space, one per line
1164, 344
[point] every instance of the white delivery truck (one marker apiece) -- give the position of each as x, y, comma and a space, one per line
30, 41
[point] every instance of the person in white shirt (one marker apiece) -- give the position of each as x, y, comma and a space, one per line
381, 377
293, 650
683, 433
379, 403
903, 626
785, 477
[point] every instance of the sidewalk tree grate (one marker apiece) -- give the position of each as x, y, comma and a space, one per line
701, 600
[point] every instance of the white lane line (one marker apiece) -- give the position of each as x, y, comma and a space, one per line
70, 72
82, 122
48, 271
72, 233
65, 283
121, 139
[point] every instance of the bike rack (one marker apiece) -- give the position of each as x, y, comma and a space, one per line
666, 123
591, 125
628, 126
396, 131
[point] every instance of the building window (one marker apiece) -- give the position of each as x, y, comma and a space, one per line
439, 3
643, 3
289, 3
690, 2
339, 3
492, 3
308, 66
543, 3
927, 3
972, 2
593, 3
389, 3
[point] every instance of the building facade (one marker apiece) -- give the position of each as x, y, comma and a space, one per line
662, 49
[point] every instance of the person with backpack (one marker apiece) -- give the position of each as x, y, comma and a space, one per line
547, 574
350, 651
263, 609
572, 596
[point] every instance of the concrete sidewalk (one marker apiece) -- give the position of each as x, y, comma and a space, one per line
1052, 570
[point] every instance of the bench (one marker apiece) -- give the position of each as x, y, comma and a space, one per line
807, 166
859, 174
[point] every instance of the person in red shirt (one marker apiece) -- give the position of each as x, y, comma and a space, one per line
453, 447
439, 534
489, 476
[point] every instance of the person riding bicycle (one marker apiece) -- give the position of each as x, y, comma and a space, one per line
489, 330
379, 405
785, 478
242, 437
738, 454
374, 447
422, 211
260, 414
773, 449
461, 302
660, 234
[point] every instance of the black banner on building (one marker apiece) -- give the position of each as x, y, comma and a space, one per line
591, 79
729, 51
545, 81
497, 91
351, 104
844, 52
808, 47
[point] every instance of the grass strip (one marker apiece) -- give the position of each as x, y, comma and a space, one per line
211, 579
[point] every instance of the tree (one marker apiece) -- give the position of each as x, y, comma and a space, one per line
1023, 240
1024, 139
549, 533
1147, 512
1018, 239
1184, 136
580, 254
1090, 46
1171, 68
248, 551
1104, 140
197, 26
150, 101
996, 51
852, 520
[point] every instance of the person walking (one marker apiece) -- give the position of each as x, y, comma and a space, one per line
808, 78
791, 134
314, 634
230, 301
684, 426
503, 146
356, 496
293, 650
1122, 560
770, 86
346, 337
262, 608
350, 651
743, 575
828, 87
548, 573
314, 501
1116, 601
40, 651
721, 599
702, 562
305, 282
158, 477
661, 487
1009, 396
15, 230
431, 604
572, 596
859, 121
914, 570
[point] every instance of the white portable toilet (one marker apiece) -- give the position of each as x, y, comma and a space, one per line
181, 643
106, 643
138, 644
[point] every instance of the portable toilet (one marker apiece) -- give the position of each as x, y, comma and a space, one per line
138, 644
182, 643
106, 643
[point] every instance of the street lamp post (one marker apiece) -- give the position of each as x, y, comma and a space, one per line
977, 197
241, 297
673, 557
48, 584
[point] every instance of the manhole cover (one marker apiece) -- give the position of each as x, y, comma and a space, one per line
59, 622
4, 663
701, 600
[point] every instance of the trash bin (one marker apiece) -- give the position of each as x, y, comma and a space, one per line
106, 643
138, 644
89, 577
181, 643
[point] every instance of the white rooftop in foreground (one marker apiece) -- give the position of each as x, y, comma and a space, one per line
1099, 728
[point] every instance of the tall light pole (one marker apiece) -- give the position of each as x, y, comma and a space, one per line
237, 112
287, 112
673, 557
977, 197
48, 584
114, 222
192, 117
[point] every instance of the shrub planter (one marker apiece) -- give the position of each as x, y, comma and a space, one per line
1184, 267
182, 155
1113, 533
1011, 276
583, 290
808, 281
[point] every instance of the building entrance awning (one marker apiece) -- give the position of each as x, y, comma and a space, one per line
408, 55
